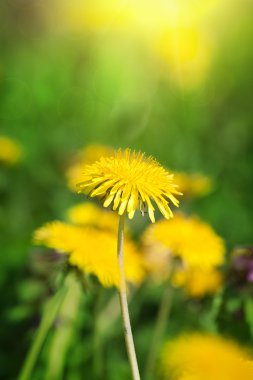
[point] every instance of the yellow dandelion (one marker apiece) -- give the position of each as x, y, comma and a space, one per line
201, 356
92, 251
10, 151
88, 214
104, 263
129, 181
88, 155
58, 235
193, 185
194, 241
198, 282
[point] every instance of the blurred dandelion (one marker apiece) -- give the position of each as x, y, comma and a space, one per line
80, 244
198, 282
193, 185
10, 151
182, 252
89, 214
190, 239
190, 357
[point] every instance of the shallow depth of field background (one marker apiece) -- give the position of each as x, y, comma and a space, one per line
173, 79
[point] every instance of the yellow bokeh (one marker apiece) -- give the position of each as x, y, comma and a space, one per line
177, 33
10, 151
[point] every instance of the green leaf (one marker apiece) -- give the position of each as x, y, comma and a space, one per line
64, 330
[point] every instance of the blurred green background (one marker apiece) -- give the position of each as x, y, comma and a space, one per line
173, 79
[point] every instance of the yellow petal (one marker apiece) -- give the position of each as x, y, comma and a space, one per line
108, 200
126, 192
165, 210
117, 200
123, 207
131, 214
150, 210
133, 201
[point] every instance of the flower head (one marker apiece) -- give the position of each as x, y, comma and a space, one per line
129, 181
198, 282
201, 356
92, 251
10, 151
193, 185
192, 240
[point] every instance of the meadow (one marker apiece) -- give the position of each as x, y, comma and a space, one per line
94, 83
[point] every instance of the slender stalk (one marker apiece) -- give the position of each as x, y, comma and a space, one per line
161, 320
123, 304
97, 340
65, 328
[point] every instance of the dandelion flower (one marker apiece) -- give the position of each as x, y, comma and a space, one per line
60, 236
130, 180
193, 185
202, 356
91, 215
192, 240
104, 264
195, 281
88, 155
92, 251
198, 282
10, 151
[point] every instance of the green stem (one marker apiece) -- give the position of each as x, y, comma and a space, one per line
97, 340
123, 304
49, 314
162, 318
65, 328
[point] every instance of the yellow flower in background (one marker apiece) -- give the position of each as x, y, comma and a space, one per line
92, 215
102, 259
92, 251
88, 155
198, 282
195, 281
58, 235
130, 181
205, 357
193, 185
192, 240
10, 151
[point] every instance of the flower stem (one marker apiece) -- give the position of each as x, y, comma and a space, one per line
123, 304
162, 318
